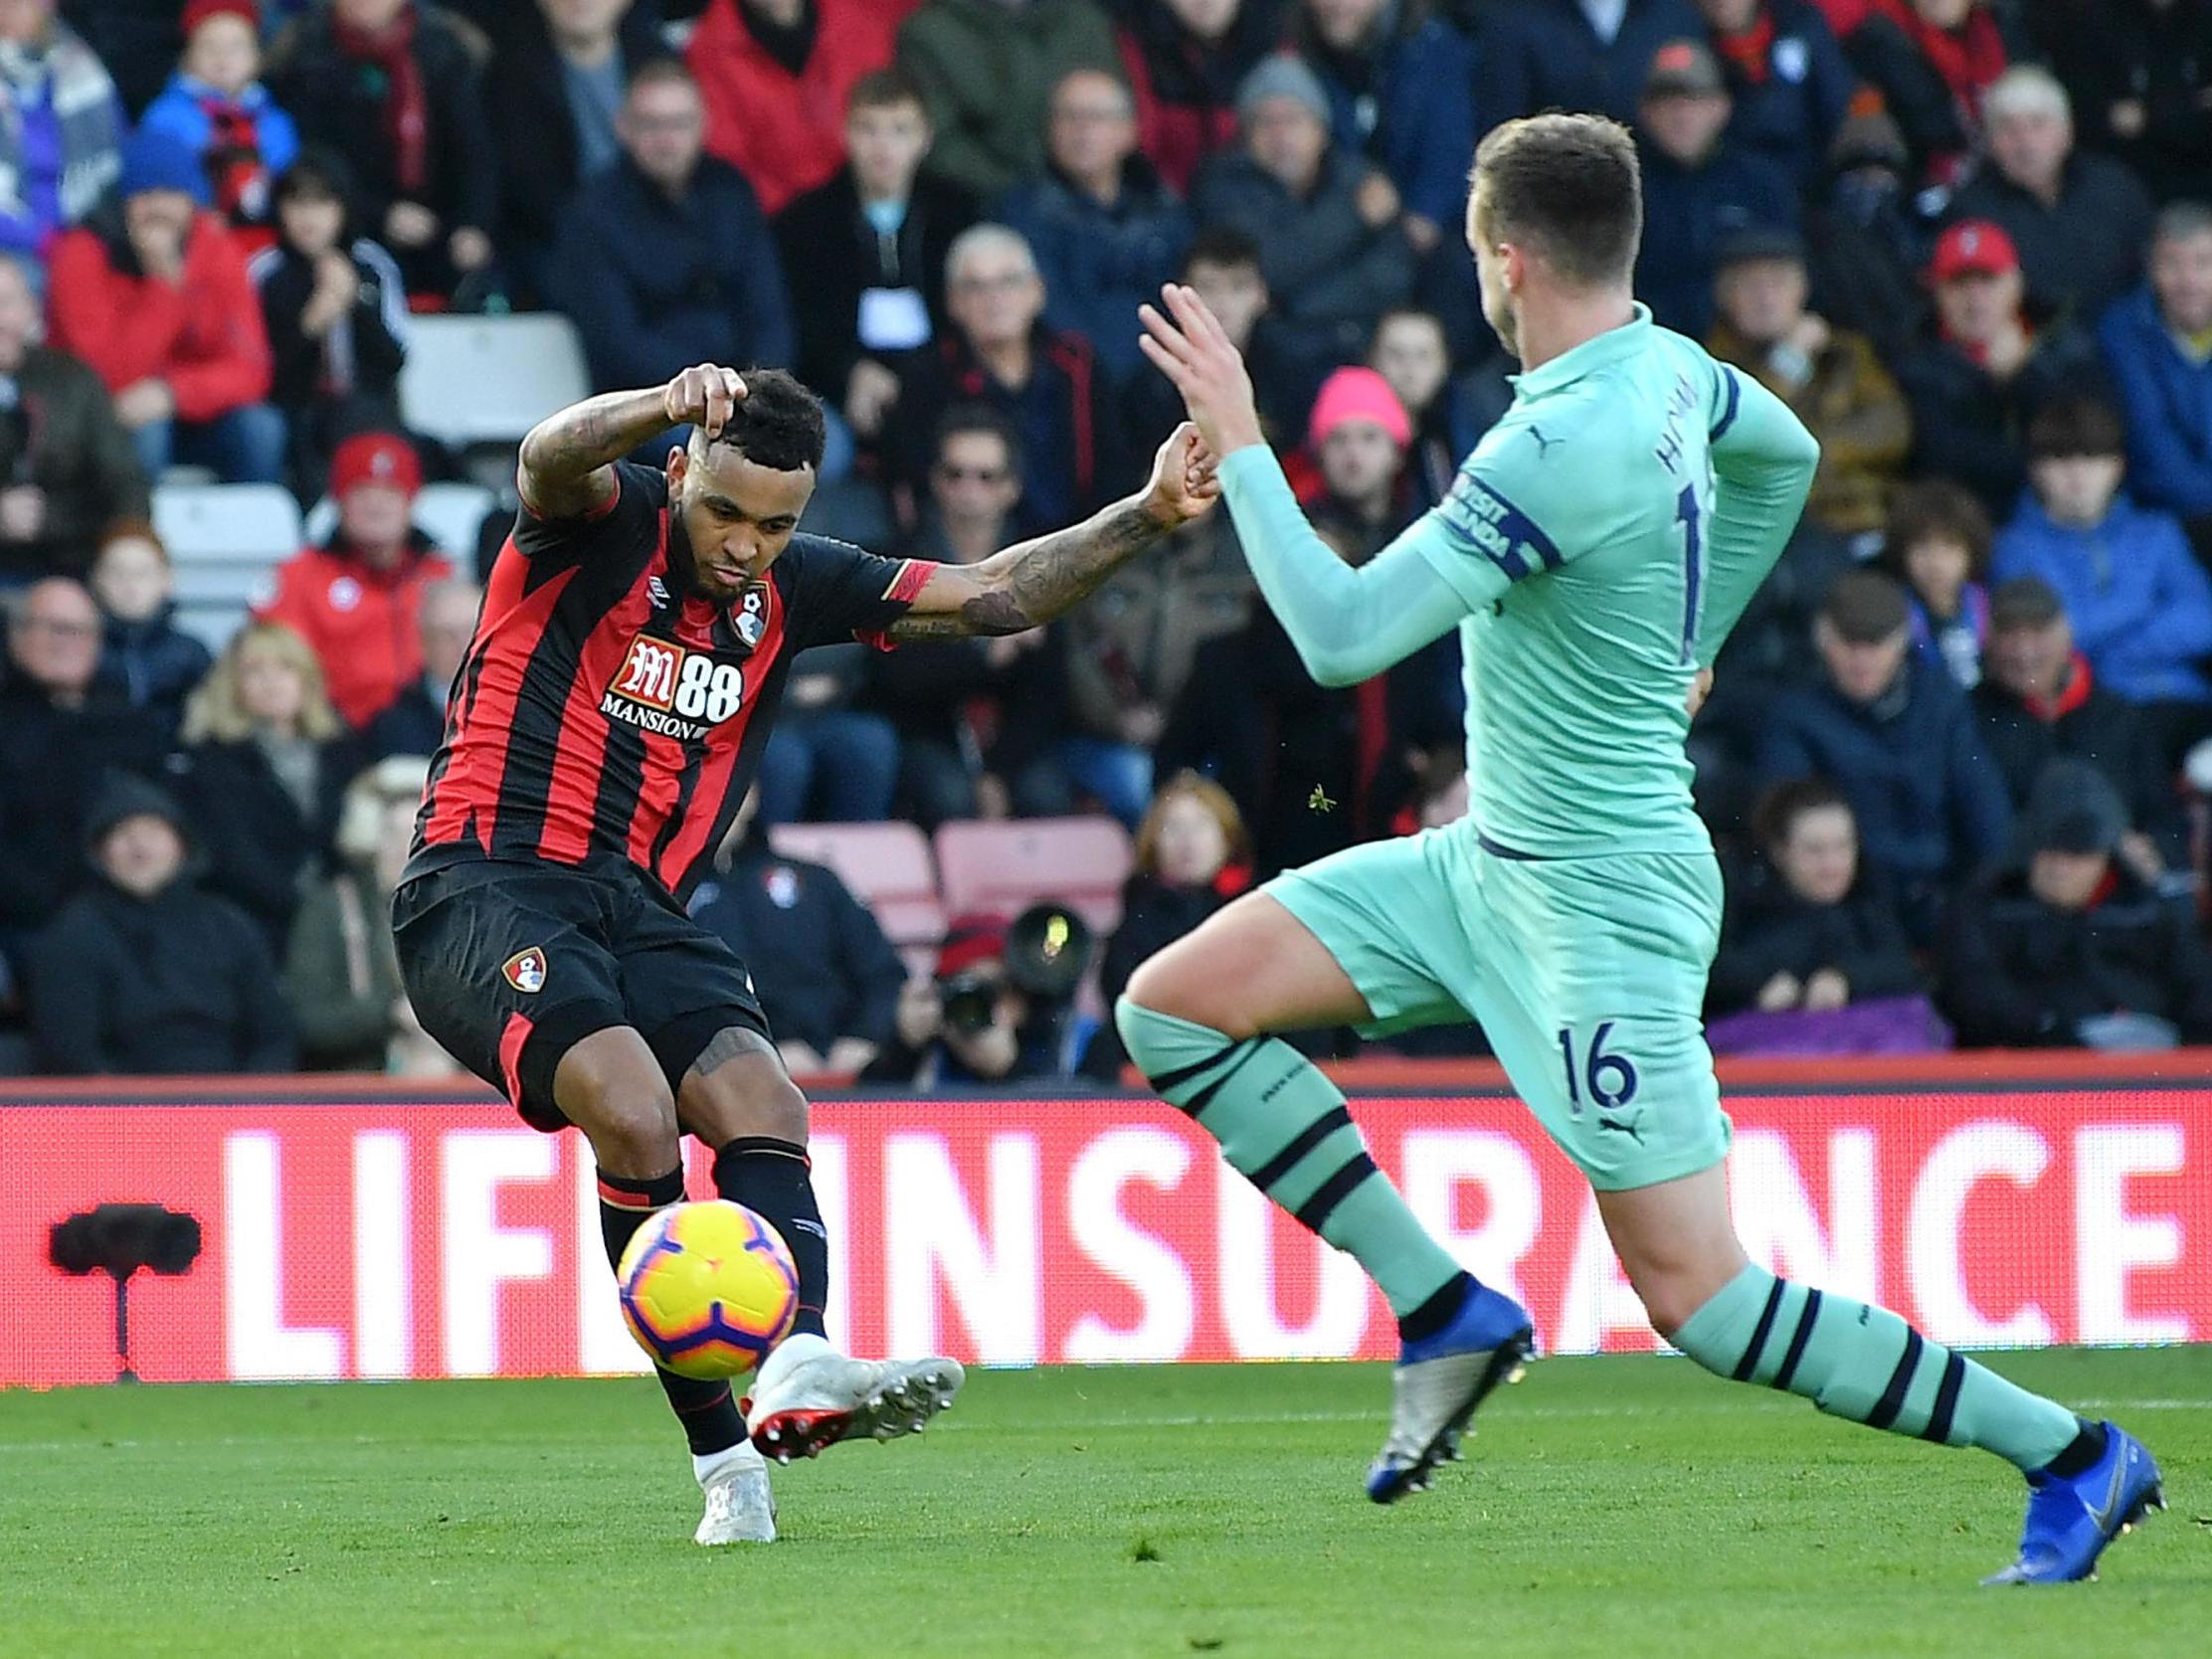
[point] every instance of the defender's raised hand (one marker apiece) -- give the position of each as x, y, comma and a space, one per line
1183, 485
1189, 347
703, 397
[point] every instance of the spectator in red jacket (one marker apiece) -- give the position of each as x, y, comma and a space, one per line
776, 74
161, 307
1185, 60
356, 598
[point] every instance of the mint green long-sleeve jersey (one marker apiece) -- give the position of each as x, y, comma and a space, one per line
1595, 551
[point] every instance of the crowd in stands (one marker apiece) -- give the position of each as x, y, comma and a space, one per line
1958, 756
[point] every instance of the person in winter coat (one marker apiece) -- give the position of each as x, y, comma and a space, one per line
160, 305
335, 307
829, 980
988, 69
1787, 80
1400, 88
1451, 409
2079, 220
1938, 546
216, 108
1331, 235
664, 260
2067, 947
1699, 191
872, 242
1832, 380
2157, 342
1868, 240
143, 974
776, 75
355, 599
1225, 266
1933, 61
2140, 603
1977, 382
1185, 60
1898, 739
1537, 55
414, 722
342, 975
263, 773
1808, 928
143, 655
1106, 233
60, 148
66, 467
2140, 75
393, 85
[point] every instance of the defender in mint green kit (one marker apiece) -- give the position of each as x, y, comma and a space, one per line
1595, 551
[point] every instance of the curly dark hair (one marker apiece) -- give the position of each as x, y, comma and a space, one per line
777, 424
1780, 808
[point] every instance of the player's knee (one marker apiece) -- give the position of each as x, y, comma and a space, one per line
636, 1134
1670, 1298
1168, 984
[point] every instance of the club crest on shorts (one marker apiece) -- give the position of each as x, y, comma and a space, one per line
525, 971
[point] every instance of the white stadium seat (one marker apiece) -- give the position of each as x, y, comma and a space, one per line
489, 380
448, 513
224, 542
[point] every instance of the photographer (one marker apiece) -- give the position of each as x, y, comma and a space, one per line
1000, 1009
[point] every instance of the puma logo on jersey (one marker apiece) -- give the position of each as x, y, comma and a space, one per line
1544, 445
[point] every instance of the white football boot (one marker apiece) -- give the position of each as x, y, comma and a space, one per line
808, 1396
740, 1508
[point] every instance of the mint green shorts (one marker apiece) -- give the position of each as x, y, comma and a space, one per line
1587, 974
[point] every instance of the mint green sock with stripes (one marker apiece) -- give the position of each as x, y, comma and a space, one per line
1866, 1364
1283, 1125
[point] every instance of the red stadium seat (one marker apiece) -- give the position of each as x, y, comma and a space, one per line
1004, 869
888, 869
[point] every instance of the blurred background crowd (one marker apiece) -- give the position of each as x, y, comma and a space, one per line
1955, 761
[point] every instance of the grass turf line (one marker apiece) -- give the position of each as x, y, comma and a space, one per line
1615, 1508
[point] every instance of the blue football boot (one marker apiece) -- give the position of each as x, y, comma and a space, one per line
2071, 1518
1439, 1381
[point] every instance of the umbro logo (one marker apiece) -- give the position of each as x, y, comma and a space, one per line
657, 590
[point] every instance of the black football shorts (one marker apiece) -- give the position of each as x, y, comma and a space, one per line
509, 964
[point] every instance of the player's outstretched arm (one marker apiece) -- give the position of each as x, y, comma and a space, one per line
568, 460
1029, 584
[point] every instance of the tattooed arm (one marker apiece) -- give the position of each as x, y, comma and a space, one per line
1029, 584
568, 460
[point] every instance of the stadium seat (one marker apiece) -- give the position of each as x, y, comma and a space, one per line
489, 380
448, 513
888, 869
225, 541
1004, 869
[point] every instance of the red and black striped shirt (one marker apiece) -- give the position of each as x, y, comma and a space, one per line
600, 711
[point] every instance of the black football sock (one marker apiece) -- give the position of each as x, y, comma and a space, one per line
704, 1407
775, 1180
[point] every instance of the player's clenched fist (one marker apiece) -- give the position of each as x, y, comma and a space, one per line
1184, 485
703, 397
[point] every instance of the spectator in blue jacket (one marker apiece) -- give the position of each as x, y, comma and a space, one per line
1105, 231
1400, 88
1788, 79
2140, 603
216, 106
61, 147
143, 655
1898, 739
1698, 189
664, 260
2158, 345
1537, 55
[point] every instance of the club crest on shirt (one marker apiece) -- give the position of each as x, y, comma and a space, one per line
751, 617
525, 971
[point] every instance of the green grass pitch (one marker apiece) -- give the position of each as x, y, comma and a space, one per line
1615, 1507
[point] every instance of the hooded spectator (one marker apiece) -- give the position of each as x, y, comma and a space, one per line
775, 76
1832, 380
1185, 60
664, 260
160, 305
1537, 55
60, 150
355, 599
1977, 383
1933, 63
2159, 345
1867, 240
72, 462
2079, 220
2140, 75
144, 655
394, 87
335, 307
414, 722
988, 69
1787, 80
216, 108
1699, 191
1106, 233
2067, 947
144, 974
1331, 244
1938, 546
872, 242
1893, 733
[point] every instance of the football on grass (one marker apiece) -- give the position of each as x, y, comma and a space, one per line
707, 1289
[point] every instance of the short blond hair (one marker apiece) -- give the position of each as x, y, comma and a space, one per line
217, 712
